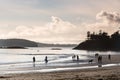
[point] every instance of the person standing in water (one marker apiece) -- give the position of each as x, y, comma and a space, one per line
109, 57
34, 61
77, 58
73, 57
46, 60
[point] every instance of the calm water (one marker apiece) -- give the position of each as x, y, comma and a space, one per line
17, 59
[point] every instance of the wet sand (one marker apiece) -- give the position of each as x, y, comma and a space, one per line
101, 73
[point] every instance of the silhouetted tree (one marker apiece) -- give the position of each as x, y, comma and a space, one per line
88, 35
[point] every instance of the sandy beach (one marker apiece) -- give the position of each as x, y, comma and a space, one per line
100, 73
109, 73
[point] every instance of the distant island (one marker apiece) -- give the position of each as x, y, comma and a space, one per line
23, 43
101, 42
13, 47
16, 43
56, 49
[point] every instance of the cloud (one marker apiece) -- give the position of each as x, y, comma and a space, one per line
58, 31
59, 26
110, 17
105, 21
62, 31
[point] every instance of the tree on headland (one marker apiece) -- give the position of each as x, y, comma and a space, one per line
88, 35
101, 41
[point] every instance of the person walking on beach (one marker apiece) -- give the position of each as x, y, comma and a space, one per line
77, 58
34, 59
73, 57
109, 57
96, 55
99, 61
46, 60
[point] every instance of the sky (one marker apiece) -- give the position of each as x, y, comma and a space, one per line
57, 21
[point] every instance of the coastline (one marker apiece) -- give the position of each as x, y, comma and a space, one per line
109, 71
103, 73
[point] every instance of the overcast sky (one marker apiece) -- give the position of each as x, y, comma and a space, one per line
57, 21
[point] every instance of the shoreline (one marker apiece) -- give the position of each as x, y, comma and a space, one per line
50, 67
102, 73
70, 68
110, 70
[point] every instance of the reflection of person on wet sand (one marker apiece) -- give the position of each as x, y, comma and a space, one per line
46, 60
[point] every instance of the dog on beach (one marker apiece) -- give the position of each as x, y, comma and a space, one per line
90, 61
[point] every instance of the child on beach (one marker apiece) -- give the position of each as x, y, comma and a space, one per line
46, 60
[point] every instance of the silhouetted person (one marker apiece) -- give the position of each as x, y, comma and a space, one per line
73, 57
99, 61
46, 60
109, 57
96, 55
34, 59
77, 58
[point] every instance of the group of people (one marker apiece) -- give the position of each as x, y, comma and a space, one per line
99, 57
46, 59
75, 57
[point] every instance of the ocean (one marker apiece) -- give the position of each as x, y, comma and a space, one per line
21, 60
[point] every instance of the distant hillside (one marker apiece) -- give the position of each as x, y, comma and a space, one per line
8, 43
17, 42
